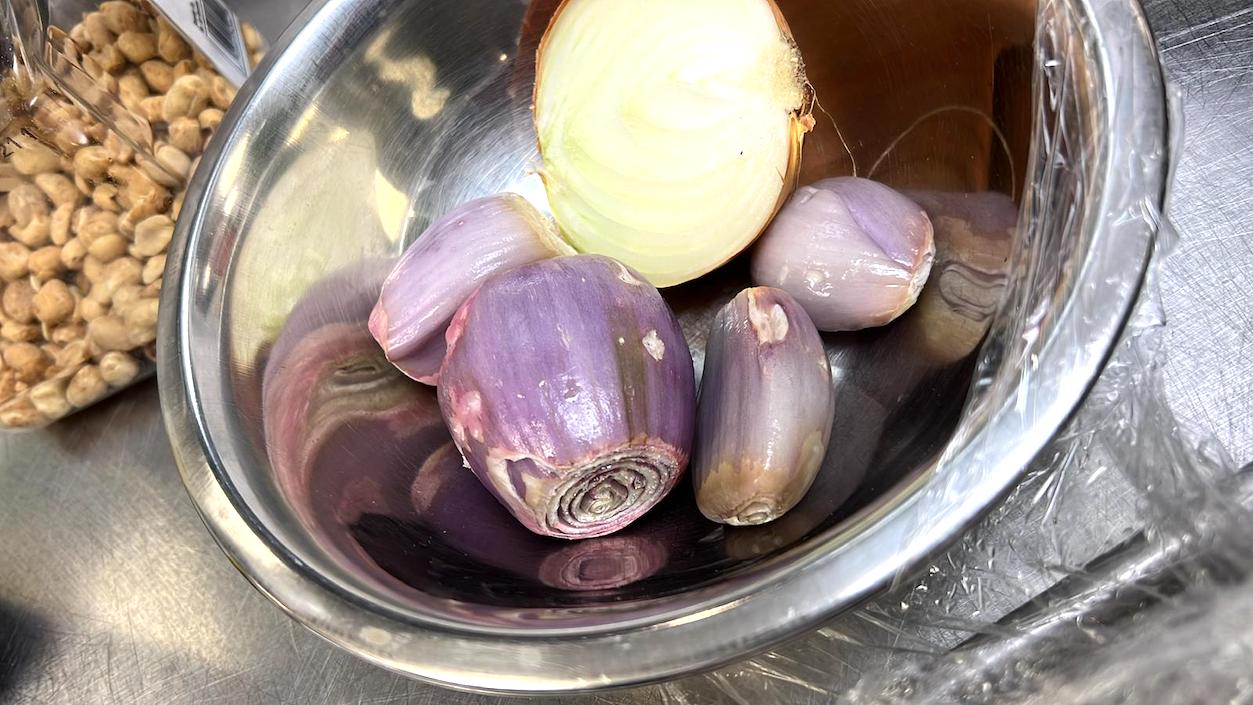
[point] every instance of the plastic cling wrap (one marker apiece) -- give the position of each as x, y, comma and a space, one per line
1116, 571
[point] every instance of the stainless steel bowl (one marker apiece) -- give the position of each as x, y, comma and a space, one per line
314, 466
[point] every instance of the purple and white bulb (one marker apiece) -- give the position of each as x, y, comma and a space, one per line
444, 265
568, 387
853, 252
766, 406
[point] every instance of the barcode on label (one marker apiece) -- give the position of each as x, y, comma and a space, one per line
216, 21
210, 27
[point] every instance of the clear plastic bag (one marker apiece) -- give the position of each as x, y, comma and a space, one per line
103, 122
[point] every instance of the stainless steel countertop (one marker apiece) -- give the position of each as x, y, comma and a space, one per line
111, 590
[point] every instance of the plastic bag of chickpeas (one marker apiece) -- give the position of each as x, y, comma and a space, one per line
102, 124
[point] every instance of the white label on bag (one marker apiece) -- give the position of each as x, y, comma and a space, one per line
213, 30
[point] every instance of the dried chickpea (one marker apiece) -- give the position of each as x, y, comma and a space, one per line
174, 161
59, 189
97, 30
36, 233
158, 74
45, 263
108, 248
159, 173
90, 309
81, 217
210, 118
59, 224
67, 334
34, 158
86, 387
54, 302
21, 413
252, 38
18, 301
96, 131
78, 33
27, 360
131, 90
105, 197
119, 151
121, 16
127, 296
153, 235
153, 268
221, 92
81, 184
141, 322
170, 45
108, 333
26, 201
73, 354
126, 224
118, 369
137, 47
185, 67
73, 254
188, 96
92, 162
97, 225
152, 108
15, 332
98, 214
108, 82
142, 189
93, 269
110, 59
185, 135
49, 398
116, 274
14, 260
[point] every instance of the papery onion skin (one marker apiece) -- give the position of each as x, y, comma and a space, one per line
568, 387
853, 252
683, 136
444, 265
765, 412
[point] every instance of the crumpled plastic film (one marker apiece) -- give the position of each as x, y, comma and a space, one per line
1164, 615
1116, 571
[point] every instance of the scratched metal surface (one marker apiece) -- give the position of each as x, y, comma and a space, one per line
1208, 47
112, 591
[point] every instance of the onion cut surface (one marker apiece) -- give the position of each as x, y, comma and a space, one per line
670, 129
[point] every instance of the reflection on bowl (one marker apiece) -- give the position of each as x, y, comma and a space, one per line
367, 464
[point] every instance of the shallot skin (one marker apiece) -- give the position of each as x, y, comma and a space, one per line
765, 411
854, 253
568, 387
444, 265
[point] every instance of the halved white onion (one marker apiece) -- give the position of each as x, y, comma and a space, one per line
670, 129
